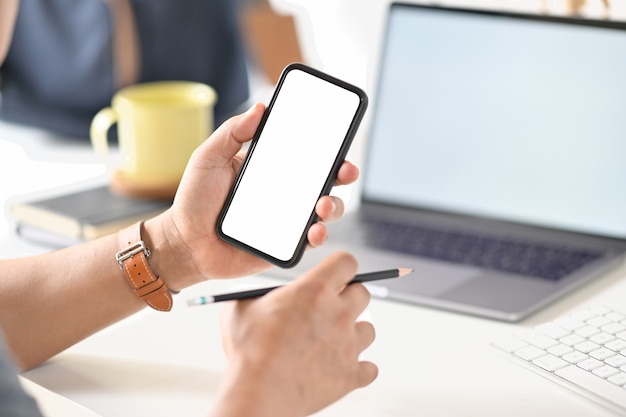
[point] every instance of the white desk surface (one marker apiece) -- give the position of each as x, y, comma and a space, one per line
432, 363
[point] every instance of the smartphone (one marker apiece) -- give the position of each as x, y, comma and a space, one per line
292, 161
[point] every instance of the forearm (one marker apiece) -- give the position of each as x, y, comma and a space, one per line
52, 301
8, 15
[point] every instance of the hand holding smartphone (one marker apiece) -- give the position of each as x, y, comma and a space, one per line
292, 161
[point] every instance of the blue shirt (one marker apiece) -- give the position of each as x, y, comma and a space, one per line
59, 70
14, 401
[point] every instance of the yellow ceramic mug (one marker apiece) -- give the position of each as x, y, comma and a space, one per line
159, 125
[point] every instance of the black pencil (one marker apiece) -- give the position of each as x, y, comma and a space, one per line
241, 295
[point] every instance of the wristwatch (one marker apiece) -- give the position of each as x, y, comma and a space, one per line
133, 260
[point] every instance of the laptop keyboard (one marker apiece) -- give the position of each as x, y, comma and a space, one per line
503, 254
584, 350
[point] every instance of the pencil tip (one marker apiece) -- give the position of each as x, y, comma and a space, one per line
404, 271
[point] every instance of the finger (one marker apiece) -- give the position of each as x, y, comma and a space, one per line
329, 208
365, 333
366, 374
226, 314
227, 140
357, 298
317, 235
334, 271
347, 174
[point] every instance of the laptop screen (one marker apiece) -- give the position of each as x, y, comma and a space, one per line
518, 118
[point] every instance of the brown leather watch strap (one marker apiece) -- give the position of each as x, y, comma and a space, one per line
133, 260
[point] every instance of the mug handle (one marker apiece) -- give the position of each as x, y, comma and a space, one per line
100, 125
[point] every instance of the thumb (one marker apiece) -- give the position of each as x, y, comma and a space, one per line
226, 141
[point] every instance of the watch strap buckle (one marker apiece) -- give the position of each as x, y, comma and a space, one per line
131, 251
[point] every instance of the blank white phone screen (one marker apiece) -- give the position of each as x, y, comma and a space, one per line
290, 164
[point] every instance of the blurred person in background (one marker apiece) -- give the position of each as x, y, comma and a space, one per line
62, 60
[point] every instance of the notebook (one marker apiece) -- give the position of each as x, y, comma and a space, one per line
76, 215
496, 160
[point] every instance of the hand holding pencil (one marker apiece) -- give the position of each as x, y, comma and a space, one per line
305, 340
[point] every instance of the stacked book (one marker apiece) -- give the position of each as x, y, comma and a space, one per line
80, 215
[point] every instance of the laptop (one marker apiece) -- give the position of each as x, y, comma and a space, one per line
496, 160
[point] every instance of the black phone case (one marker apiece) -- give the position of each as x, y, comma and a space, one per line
356, 121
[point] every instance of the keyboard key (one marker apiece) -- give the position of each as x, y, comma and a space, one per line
551, 363
589, 364
616, 345
569, 323
619, 379
560, 350
602, 338
585, 314
572, 339
602, 354
587, 346
616, 361
530, 353
575, 357
587, 331
537, 339
598, 386
615, 316
605, 371
613, 328
598, 321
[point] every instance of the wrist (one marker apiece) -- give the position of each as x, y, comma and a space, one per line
132, 258
171, 258
251, 391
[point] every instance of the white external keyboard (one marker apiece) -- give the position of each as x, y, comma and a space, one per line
585, 350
